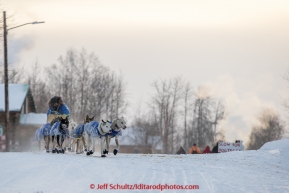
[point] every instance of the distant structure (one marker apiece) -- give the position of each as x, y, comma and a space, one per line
128, 144
23, 120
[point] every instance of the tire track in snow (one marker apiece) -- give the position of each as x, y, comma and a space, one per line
62, 174
152, 180
142, 179
182, 168
164, 174
208, 183
185, 178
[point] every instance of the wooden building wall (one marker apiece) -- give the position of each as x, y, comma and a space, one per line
14, 118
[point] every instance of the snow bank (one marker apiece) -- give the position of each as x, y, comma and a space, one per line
281, 145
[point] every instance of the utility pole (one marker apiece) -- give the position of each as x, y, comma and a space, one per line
6, 84
7, 130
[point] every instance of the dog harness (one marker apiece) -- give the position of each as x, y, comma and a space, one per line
114, 133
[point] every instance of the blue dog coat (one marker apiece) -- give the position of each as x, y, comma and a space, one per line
42, 131
77, 132
92, 129
55, 130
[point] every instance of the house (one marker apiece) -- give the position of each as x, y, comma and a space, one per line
23, 120
25, 133
129, 143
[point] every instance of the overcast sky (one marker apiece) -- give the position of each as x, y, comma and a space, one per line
240, 49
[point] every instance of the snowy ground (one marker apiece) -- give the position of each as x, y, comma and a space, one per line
265, 170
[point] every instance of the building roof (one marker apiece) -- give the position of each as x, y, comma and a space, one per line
17, 94
33, 119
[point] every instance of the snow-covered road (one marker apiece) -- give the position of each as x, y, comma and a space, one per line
265, 170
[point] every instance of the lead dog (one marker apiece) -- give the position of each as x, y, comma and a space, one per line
94, 130
69, 138
116, 126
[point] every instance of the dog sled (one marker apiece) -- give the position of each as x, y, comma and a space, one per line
52, 117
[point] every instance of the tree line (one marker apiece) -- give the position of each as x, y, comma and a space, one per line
175, 115
86, 86
181, 116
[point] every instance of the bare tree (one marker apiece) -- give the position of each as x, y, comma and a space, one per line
268, 129
166, 104
143, 129
38, 88
70, 62
87, 86
99, 92
218, 115
200, 114
121, 102
207, 113
187, 96
53, 80
15, 75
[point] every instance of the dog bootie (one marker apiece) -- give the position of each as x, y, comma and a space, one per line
105, 151
115, 151
103, 155
53, 151
89, 152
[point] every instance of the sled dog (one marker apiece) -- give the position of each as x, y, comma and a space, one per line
58, 133
94, 130
78, 134
116, 126
43, 133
